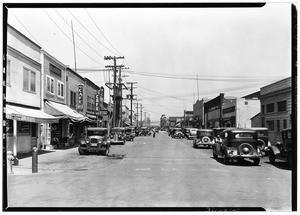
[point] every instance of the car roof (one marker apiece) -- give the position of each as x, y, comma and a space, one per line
121, 128
259, 128
205, 130
96, 129
238, 130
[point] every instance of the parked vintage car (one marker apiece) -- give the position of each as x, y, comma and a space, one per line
282, 150
118, 136
129, 133
205, 137
177, 133
263, 138
190, 133
96, 141
237, 144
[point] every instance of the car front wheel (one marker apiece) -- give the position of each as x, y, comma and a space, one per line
81, 152
256, 161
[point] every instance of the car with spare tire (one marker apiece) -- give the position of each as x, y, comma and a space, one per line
204, 137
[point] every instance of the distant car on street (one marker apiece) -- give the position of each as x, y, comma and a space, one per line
177, 133
238, 144
96, 141
205, 137
190, 133
118, 136
129, 133
282, 150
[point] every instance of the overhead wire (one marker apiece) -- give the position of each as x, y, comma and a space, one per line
101, 32
71, 39
90, 33
78, 34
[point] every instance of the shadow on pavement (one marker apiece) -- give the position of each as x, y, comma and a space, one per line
280, 165
29, 154
245, 162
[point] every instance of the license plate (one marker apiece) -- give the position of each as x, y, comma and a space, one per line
93, 144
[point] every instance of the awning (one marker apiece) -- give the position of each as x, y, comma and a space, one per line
63, 111
29, 115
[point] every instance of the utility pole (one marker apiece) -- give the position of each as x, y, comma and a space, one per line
120, 94
116, 96
74, 46
131, 98
142, 115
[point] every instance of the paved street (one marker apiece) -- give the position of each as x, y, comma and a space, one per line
154, 172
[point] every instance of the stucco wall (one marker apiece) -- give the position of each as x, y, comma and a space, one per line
245, 110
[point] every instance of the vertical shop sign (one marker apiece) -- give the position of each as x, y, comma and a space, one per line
80, 97
97, 101
101, 97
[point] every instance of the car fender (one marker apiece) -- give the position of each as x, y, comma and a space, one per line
275, 150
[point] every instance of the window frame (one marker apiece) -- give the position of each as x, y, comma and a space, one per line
285, 107
270, 105
60, 89
51, 79
30, 73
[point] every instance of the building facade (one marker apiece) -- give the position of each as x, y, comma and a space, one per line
198, 111
276, 107
23, 94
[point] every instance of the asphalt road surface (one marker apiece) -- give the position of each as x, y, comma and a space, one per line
151, 172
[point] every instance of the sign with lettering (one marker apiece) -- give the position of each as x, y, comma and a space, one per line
101, 97
97, 101
80, 97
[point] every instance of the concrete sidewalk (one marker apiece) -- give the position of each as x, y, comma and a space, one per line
45, 157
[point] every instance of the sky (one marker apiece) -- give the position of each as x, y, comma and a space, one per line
176, 55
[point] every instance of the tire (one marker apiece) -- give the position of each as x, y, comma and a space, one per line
271, 156
215, 156
256, 161
226, 160
81, 152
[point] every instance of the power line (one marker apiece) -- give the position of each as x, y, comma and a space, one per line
102, 32
78, 34
28, 31
71, 39
91, 33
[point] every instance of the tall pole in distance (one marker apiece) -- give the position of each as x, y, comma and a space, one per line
73, 45
131, 98
137, 114
115, 112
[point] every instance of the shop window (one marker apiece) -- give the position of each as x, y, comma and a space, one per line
278, 125
73, 99
9, 126
8, 72
270, 108
281, 106
284, 123
50, 85
29, 80
263, 109
270, 125
23, 127
60, 89
33, 130
71, 129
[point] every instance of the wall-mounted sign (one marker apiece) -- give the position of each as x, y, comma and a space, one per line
80, 97
101, 97
97, 101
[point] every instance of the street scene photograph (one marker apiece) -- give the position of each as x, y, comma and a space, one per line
149, 107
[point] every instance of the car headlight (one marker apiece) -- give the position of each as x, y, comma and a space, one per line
104, 142
82, 142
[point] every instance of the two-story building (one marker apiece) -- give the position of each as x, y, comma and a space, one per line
23, 93
276, 107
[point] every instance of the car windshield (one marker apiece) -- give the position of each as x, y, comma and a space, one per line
117, 131
205, 133
244, 135
98, 133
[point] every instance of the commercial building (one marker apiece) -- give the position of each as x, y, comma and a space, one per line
23, 94
198, 112
276, 107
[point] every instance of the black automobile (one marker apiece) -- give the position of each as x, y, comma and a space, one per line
263, 138
96, 141
238, 144
129, 134
282, 150
118, 136
177, 133
190, 133
205, 137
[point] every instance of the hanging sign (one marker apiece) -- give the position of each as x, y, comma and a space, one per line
80, 97
101, 97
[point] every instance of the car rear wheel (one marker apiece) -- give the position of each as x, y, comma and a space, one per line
256, 161
271, 157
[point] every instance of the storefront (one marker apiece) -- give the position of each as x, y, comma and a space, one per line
70, 127
23, 128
